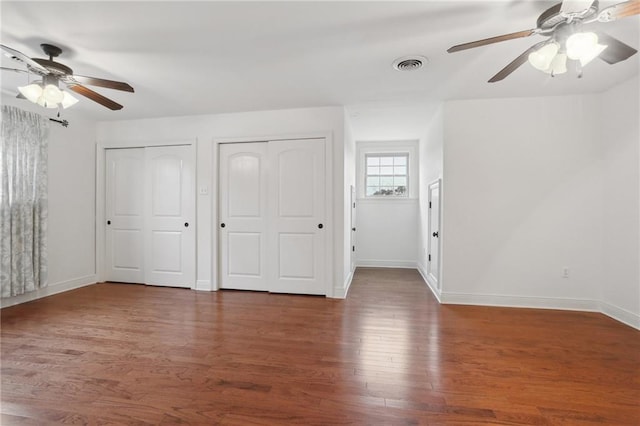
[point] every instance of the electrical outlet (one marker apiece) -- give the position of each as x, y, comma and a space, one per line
565, 272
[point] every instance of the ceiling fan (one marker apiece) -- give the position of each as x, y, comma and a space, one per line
564, 25
47, 93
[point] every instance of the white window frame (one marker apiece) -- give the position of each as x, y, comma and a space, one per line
392, 176
409, 147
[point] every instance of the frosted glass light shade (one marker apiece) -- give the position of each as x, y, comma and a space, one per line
68, 100
52, 94
32, 92
541, 58
558, 65
581, 44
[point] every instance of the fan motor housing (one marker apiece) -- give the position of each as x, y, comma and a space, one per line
551, 17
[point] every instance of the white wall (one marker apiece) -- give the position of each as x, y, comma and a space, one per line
71, 224
430, 171
522, 184
260, 125
387, 228
619, 114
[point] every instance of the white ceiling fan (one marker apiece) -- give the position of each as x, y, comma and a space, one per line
566, 26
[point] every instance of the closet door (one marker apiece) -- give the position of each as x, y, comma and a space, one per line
125, 215
296, 216
170, 216
243, 216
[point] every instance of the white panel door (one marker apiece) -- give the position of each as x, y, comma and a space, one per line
434, 234
124, 257
296, 220
243, 216
170, 219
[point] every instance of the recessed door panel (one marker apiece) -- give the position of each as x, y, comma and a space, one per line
244, 254
166, 253
124, 214
242, 221
297, 256
166, 185
126, 249
296, 173
127, 179
244, 174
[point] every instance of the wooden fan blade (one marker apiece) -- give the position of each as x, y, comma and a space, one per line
94, 96
619, 11
515, 64
616, 50
36, 67
491, 40
13, 69
93, 81
575, 6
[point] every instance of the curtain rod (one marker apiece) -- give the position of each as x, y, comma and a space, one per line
63, 123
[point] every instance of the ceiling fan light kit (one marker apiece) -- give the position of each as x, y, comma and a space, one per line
47, 92
563, 24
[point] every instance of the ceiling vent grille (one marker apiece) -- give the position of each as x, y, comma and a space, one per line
409, 63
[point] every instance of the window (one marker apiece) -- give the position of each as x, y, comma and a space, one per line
387, 175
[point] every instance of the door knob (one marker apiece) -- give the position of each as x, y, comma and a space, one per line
353, 229
108, 222
320, 226
186, 224
222, 225
435, 234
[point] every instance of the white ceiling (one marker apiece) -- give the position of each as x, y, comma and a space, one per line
187, 58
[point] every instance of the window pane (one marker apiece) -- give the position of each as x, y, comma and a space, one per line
371, 190
400, 161
384, 170
373, 181
401, 190
373, 161
401, 170
373, 170
386, 161
400, 180
386, 181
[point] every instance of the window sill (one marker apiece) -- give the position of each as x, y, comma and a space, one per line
383, 200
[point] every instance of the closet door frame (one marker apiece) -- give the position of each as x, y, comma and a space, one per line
330, 236
100, 201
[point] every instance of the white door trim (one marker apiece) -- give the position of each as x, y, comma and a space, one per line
330, 259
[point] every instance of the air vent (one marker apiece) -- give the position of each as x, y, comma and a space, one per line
409, 63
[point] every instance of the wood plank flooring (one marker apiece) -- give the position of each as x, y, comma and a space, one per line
388, 354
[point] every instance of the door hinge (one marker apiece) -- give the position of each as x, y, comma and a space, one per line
354, 205
353, 248
429, 258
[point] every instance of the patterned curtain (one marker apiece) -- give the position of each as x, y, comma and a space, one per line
23, 201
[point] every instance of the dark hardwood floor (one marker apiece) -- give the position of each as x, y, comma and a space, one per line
388, 354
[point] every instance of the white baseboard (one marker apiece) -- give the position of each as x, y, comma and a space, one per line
341, 292
423, 272
373, 263
520, 301
619, 314
50, 290
203, 285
